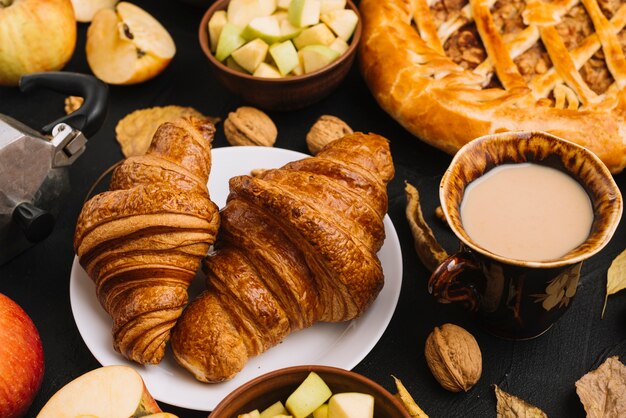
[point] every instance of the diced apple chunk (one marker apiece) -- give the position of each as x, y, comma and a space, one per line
265, 70
327, 6
216, 24
230, 40
283, 4
298, 69
351, 405
304, 12
315, 57
339, 45
265, 27
315, 35
285, 56
342, 22
231, 63
266, 7
321, 412
251, 414
112, 391
241, 12
287, 30
311, 393
250, 55
275, 409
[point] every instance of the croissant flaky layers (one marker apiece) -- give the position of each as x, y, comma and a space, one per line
296, 245
142, 241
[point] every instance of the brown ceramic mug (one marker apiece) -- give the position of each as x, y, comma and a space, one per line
518, 299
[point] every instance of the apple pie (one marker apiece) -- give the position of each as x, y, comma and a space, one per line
452, 70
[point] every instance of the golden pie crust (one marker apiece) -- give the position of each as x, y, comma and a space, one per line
452, 70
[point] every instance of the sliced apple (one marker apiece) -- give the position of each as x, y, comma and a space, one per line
304, 12
342, 22
265, 27
287, 30
216, 24
315, 35
339, 45
351, 405
285, 56
84, 10
241, 12
315, 57
230, 40
251, 414
231, 63
311, 393
251, 55
283, 4
327, 6
265, 70
111, 391
128, 45
266, 7
321, 412
160, 415
275, 409
298, 69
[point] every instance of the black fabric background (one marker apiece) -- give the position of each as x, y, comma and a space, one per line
542, 371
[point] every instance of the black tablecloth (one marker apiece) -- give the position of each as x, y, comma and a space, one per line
542, 371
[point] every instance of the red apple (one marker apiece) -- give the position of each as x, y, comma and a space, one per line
35, 35
21, 359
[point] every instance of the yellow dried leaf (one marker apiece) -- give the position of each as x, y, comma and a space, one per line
408, 401
134, 132
603, 391
510, 406
430, 252
615, 277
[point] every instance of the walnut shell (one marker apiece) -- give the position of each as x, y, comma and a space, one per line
250, 126
325, 130
454, 357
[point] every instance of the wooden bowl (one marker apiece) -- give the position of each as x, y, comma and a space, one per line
269, 388
288, 93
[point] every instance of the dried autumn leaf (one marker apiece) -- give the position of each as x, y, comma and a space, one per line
134, 131
615, 277
510, 406
603, 391
430, 252
408, 401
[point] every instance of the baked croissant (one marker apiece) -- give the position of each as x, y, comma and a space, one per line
143, 240
296, 245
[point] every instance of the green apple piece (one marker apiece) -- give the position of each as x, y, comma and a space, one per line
311, 393
283, 4
266, 70
241, 12
327, 6
315, 35
304, 12
315, 57
251, 414
321, 412
298, 69
230, 39
339, 45
342, 22
265, 27
275, 409
287, 30
231, 63
285, 56
216, 24
351, 405
266, 7
250, 55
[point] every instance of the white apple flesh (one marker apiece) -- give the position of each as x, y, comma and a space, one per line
86, 9
311, 393
251, 55
111, 391
351, 405
230, 40
327, 6
21, 359
35, 36
285, 56
271, 411
315, 35
342, 22
215, 26
265, 70
304, 12
315, 57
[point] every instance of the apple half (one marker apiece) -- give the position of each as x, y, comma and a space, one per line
86, 9
127, 45
111, 391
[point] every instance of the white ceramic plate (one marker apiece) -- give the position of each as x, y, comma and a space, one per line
340, 345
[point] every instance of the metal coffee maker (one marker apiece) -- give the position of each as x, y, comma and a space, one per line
34, 179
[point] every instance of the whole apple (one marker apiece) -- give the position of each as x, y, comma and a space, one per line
21, 359
35, 35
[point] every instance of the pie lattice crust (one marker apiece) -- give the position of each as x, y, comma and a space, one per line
453, 70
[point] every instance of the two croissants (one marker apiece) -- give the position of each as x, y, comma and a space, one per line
295, 245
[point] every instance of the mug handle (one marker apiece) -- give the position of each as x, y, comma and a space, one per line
445, 286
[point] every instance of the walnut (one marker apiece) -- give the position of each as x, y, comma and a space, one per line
326, 130
250, 126
454, 358
73, 103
